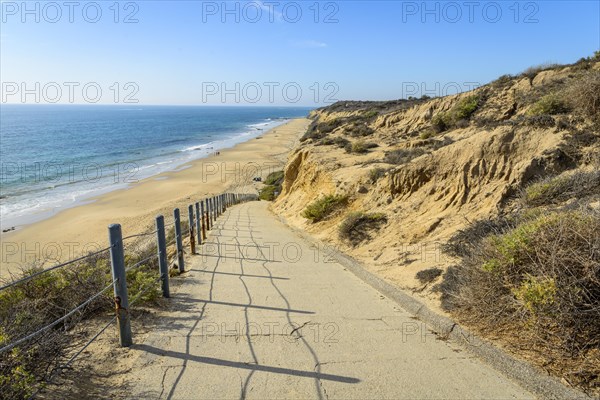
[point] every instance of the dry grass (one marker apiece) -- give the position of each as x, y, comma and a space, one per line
358, 226
29, 306
402, 156
555, 190
584, 95
538, 277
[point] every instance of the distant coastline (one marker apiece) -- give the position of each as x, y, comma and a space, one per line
49, 181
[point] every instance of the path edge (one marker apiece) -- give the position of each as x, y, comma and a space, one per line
525, 375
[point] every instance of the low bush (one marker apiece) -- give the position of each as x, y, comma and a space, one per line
441, 122
358, 226
319, 130
465, 108
457, 115
274, 178
267, 193
503, 80
584, 95
341, 142
402, 156
538, 283
428, 275
272, 186
370, 114
376, 173
561, 188
360, 130
324, 207
550, 104
426, 134
359, 147
539, 121
532, 71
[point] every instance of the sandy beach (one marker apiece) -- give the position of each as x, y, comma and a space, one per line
78, 230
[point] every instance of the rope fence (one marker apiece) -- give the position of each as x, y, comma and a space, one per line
45, 270
50, 325
201, 218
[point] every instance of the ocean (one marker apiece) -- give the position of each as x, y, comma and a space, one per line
56, 156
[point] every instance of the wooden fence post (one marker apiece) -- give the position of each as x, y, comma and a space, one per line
117, 260
198, 224
179, 240
163, 266
192, 235
203, 220
206, 214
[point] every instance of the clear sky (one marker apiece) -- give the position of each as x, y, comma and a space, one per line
282, 53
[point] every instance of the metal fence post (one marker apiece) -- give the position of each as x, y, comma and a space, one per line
203, 220
117, 260
192, 235
179, 240
163, 266
198, 226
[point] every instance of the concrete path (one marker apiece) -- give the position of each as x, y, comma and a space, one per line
263, 315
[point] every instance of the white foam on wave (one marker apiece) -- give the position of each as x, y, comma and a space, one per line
25, 209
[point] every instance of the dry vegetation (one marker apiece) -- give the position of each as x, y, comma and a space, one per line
358, 226
27, 307
506, 176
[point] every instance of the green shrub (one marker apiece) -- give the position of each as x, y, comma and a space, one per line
274, 178
465, 108
267, 193
461, 111
272, 186
324, 207
536, 293
428, 133
356, 228
441, 122
370, 114
550, 104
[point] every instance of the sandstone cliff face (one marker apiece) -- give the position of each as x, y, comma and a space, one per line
467, 172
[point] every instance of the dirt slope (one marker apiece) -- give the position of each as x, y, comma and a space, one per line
431, 180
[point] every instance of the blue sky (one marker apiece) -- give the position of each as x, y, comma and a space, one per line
193, 52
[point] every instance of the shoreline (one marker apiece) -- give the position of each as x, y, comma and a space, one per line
77, 230
84, 193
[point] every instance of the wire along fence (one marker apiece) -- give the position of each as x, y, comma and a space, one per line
39, 309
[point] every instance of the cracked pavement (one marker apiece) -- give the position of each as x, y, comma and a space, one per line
268, 316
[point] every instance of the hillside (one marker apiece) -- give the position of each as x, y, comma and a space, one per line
422, 192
